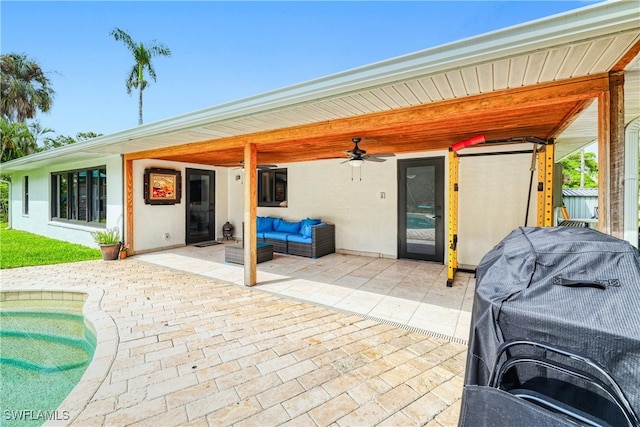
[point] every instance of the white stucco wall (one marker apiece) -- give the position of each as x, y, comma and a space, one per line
493, 192
365, 222
39, 221
152, 222
492, 197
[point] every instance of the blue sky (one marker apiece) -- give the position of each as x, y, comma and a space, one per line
224, 51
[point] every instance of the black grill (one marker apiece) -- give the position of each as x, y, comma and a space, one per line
227, 231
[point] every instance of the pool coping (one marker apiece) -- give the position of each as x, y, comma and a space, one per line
107, 339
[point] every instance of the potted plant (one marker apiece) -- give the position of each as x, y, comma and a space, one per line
124, 248
109, 242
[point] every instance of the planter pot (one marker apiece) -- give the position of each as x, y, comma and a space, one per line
123, 254
110, 252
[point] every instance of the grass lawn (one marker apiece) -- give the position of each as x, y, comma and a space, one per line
22, 249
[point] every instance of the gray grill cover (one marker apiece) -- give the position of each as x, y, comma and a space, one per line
516, 298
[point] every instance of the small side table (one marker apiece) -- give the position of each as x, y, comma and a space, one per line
235, 253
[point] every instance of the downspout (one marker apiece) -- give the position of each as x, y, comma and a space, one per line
9, 198
632, 140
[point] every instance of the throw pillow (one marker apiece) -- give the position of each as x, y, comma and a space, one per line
265, 224
305, 230
289, 227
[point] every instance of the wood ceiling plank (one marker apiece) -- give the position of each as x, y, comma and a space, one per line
541, 109
569, 118
432, 134
628, 57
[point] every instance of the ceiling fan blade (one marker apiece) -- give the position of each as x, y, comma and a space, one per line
383, 155
374, 159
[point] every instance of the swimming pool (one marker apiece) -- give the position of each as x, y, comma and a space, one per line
45, 348
416, 221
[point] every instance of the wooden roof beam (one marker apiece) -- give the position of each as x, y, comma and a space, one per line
544, 95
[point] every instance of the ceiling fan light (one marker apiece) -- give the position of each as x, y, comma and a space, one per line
356, 163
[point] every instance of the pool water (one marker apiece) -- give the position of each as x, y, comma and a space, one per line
45, 348
419, 221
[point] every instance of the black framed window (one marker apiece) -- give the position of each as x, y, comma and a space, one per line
25, 196
272, 187
80, 195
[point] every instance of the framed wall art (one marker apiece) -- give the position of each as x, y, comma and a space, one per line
162, 186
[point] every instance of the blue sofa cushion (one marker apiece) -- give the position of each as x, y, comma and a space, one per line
306, 224
276, 235
288, 227
265, 223
297, 238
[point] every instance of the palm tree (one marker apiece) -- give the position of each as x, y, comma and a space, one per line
25, 88
38, 131
17, 140
142, 55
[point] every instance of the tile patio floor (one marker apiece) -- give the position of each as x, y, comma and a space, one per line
183, 344
405, 292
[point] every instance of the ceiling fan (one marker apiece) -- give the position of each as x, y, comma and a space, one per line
357, 156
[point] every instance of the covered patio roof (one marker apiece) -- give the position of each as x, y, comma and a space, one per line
536, 79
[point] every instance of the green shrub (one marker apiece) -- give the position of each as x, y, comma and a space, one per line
4, 201
109, 236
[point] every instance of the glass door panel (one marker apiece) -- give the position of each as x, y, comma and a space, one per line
421, 195
200, 205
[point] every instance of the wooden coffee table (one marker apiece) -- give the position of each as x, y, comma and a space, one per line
235, 253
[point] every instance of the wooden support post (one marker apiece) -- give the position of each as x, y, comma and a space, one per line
250, 238
452, 248
604, 224
616, 154
128, 205
611, 157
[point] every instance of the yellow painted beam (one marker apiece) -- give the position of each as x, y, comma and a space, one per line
545, 186
452, 246
540, 201
548, 185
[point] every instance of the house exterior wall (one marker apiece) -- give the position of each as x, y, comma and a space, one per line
493, 192
365, 222
492, 201
152, 222
38, 220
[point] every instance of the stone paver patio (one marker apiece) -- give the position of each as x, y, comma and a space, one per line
176, 348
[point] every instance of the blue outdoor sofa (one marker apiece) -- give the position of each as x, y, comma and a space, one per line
308, 237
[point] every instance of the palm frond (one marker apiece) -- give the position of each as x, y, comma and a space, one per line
142, 55
119, 35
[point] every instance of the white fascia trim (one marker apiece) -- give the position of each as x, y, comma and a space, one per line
580, 24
